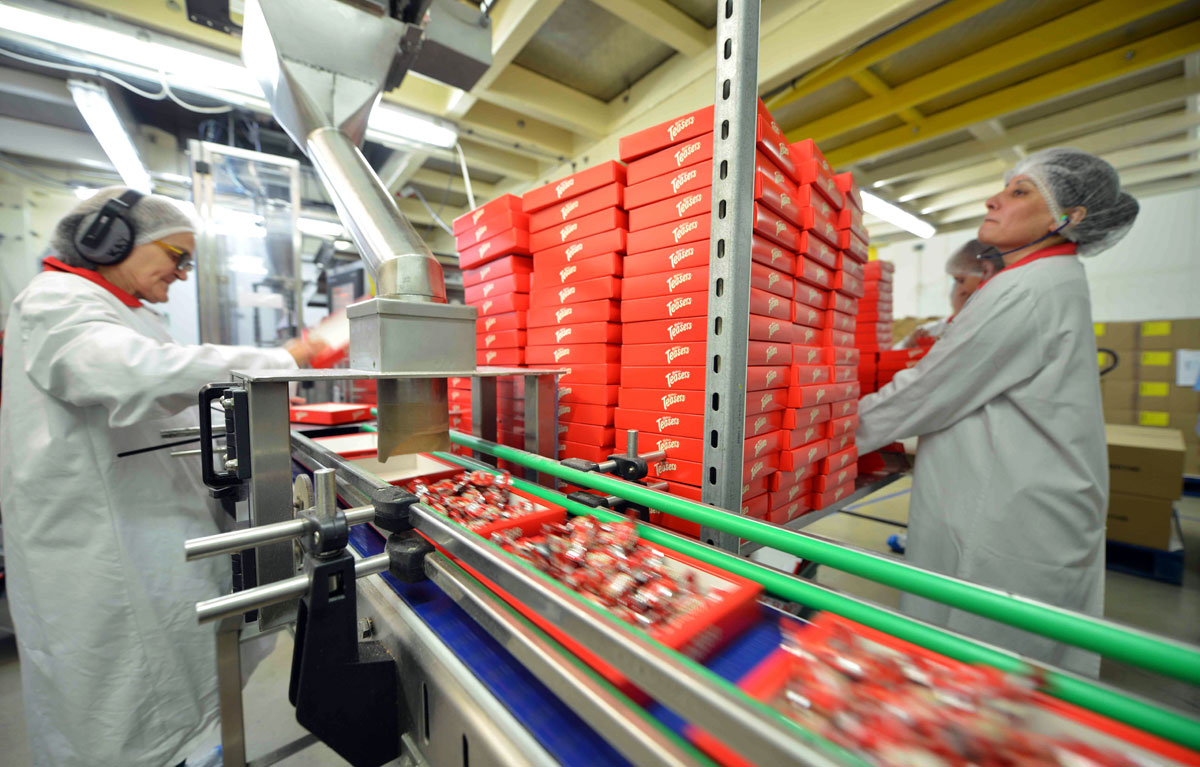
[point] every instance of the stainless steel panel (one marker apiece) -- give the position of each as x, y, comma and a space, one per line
541, 423
483, 414
398, 336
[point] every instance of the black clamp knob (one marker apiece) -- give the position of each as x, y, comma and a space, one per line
406, 556
631, 468
325, 537
392, 506
579, 464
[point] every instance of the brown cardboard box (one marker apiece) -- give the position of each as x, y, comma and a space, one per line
1169, 334
1122, 336
1163, 395
1145, 461
1117, 394
1156, 365
1120, 417
1139, 520
1191, 459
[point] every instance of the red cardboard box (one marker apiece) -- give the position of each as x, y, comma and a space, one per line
688, 330
604, 373
811, 295
695, 353
607, 265
770, 329
813, 247
806, 151
670, 159
558, 256
491, 227
589, 394
796, 492
842, 426
838, 321
665, 134
882, 271
575, 314
513, 241
766, 166
844, 373
578, 354
824, 500
598, 415
771, 225
691, 472
587, 434
673, 258
811, 319
501, 339
669, 235
666, 283
844, 407
492, 208
802, 335
583, 333
808, 354
690, 425
664, 400
573, 186
512, 283
509, 302
845, 283
579, 229
805, 435
772, 255
825, 482
767, 304
498, 322
771, 138
500, 357
653, 190
783, 479
835, 462
586, 452
807, 455
809, 375
844, 303
687, 205
851, 218
831, 337
597, 289
812, 273
665, 307
612, 195
329, 413
692, 449
766, 401
756, 507
852, 245
770, 280
499, 268
821, 394
851, 267
810, 220
847, 186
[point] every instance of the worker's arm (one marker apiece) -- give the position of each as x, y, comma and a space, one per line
992, 345
77, 348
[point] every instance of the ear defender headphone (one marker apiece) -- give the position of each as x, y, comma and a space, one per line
106, 237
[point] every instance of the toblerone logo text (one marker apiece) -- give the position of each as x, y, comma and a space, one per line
561, 333
563, 274
562, 314
679, 327
687, 202
676, 351
563, 186
675, 304
560, 353
682, 179
686, 152
566, 231
683, 229
476, 216
566, 293
681, 254
568, 208
672, 399
667, 420
676, 280
675, 128
675, 376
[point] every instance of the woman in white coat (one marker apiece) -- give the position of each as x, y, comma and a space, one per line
114, 668
1011, 479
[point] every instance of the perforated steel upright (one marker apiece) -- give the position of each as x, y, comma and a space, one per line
734, 122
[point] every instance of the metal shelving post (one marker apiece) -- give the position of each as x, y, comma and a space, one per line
734, 120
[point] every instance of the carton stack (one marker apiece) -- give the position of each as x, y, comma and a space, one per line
1145, 469
874, 322
822, 459
493, 244
578, 231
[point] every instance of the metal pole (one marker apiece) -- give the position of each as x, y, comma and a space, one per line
734, 119
248, 538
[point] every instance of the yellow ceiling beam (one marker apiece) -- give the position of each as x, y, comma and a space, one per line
518, 129
1109, 65
499, 161
436, 181
664, 22
875, 86
912, 32
523, 90
1033, 44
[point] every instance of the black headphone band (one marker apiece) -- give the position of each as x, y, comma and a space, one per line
115, 208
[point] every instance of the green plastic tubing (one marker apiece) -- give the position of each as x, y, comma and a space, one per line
1143, 715
1129, 646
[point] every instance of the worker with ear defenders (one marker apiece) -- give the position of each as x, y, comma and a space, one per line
115, 668
1010, 487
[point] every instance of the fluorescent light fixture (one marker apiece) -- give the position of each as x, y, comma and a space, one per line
407, 126
881, 208
101, 116
315, 227
84, 193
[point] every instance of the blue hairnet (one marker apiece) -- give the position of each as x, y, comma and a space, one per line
1070, 178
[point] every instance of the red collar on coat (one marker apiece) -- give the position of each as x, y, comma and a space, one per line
52, 264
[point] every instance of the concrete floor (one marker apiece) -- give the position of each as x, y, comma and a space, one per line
1157, 607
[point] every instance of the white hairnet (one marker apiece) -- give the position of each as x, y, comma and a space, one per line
1068, 178
966, 261
153, 218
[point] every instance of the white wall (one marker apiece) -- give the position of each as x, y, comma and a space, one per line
1154, 273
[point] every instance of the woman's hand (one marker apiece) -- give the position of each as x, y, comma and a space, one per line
303, 350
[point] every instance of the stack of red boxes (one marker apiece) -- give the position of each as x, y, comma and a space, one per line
577, 234
665, 306
874, 322
820, 463
493, 243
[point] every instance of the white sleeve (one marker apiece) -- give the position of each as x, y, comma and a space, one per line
986, 350
79, 349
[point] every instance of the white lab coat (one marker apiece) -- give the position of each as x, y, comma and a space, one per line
114, 667
1011, 480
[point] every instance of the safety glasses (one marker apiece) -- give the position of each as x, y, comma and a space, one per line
183, 259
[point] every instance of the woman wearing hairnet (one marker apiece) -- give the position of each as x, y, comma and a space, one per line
1011, 479
970, 265
114, 667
